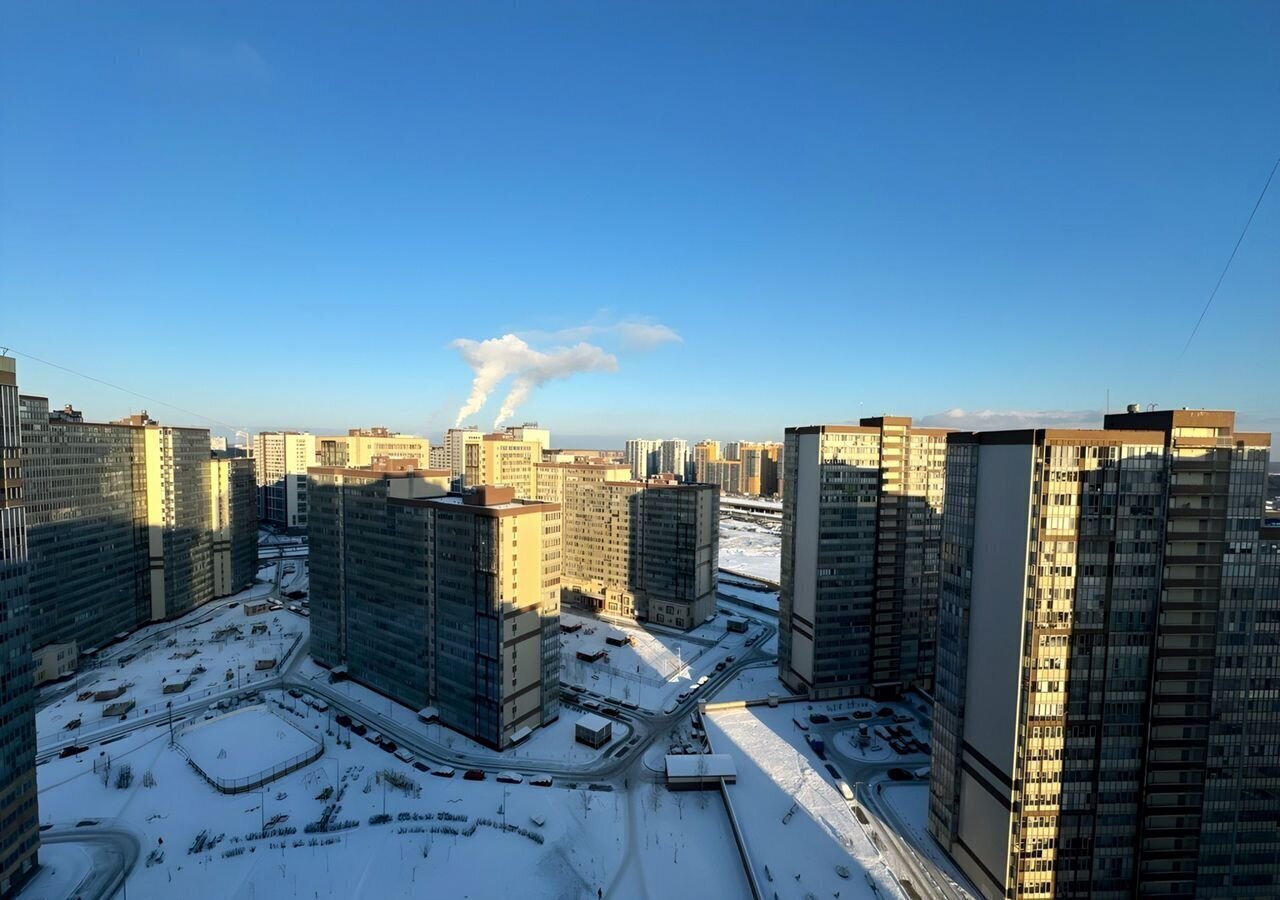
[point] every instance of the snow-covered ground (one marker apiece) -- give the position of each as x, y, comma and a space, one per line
751, 548
750, 597
213, 648
244, 743
445, 836
654, 668
62, 868
755, 683
802, 836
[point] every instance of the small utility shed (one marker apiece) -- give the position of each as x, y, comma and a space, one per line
700, 772
592, 730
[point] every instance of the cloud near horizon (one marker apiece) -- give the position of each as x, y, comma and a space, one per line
1007, 419
510, 356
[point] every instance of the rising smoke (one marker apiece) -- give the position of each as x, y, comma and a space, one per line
496, 359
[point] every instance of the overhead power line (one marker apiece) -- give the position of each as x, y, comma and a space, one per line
125, 390
1232, 257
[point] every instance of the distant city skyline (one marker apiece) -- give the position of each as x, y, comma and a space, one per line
99, 403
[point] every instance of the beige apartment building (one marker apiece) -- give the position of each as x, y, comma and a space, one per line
499, 459
530, 431
704, 452
233, 522
361, 446
179, 515
456, 441
281, 460
861, 537
725, 474
443, 600
643, 550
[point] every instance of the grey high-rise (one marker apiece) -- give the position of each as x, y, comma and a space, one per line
86, 526
861, 538
19, 817
1106, 722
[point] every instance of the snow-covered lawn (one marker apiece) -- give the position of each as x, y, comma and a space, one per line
654, 668
751, 548
584, 832
755, 683
244, 743
802, 836
211, 650
728, 588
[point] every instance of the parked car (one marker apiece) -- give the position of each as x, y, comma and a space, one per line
358, 728
442, 772
542, 781
730, 658
721, 665
71, 751
819, 718
703, 680
862, 714
510, 778
421, 766
473, 775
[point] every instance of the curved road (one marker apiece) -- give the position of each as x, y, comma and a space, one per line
114, 850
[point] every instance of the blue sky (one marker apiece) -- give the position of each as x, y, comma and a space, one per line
285, 214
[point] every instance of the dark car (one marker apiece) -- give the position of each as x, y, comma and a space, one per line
473, 775
421, 766
862, 714
343, 719
71, 751
819, 718
610, 711
389, 746
900, 775
358, 728
884, 711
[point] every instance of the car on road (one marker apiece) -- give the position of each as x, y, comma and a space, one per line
670, 708
473, 775
71, 751
903, 718
819, 718
577, 688
720, 666
730, 658
610, 711
862, 714
752, 640
86, 823
590, 704
884, 711
835, 773
703, 680
845, 791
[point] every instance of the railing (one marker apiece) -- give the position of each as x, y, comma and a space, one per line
258, 779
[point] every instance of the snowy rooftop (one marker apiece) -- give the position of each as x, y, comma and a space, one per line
705, 765
593, 722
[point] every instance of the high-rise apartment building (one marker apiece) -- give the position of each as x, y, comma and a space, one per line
861, 538
233, 510
438, 457
703, 453
86, 507
435, 599
179, 520
19, 817
499, 459
642, 550
455, 443
1105, 723
120, 524
759, 468
644, 457
725, 474
361, 446
673, 458
530, 431
281, 460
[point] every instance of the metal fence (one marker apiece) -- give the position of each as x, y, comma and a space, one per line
258, 779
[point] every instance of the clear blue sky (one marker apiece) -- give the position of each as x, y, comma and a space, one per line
282, 214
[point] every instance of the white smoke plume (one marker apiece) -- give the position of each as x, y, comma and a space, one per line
496, 359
